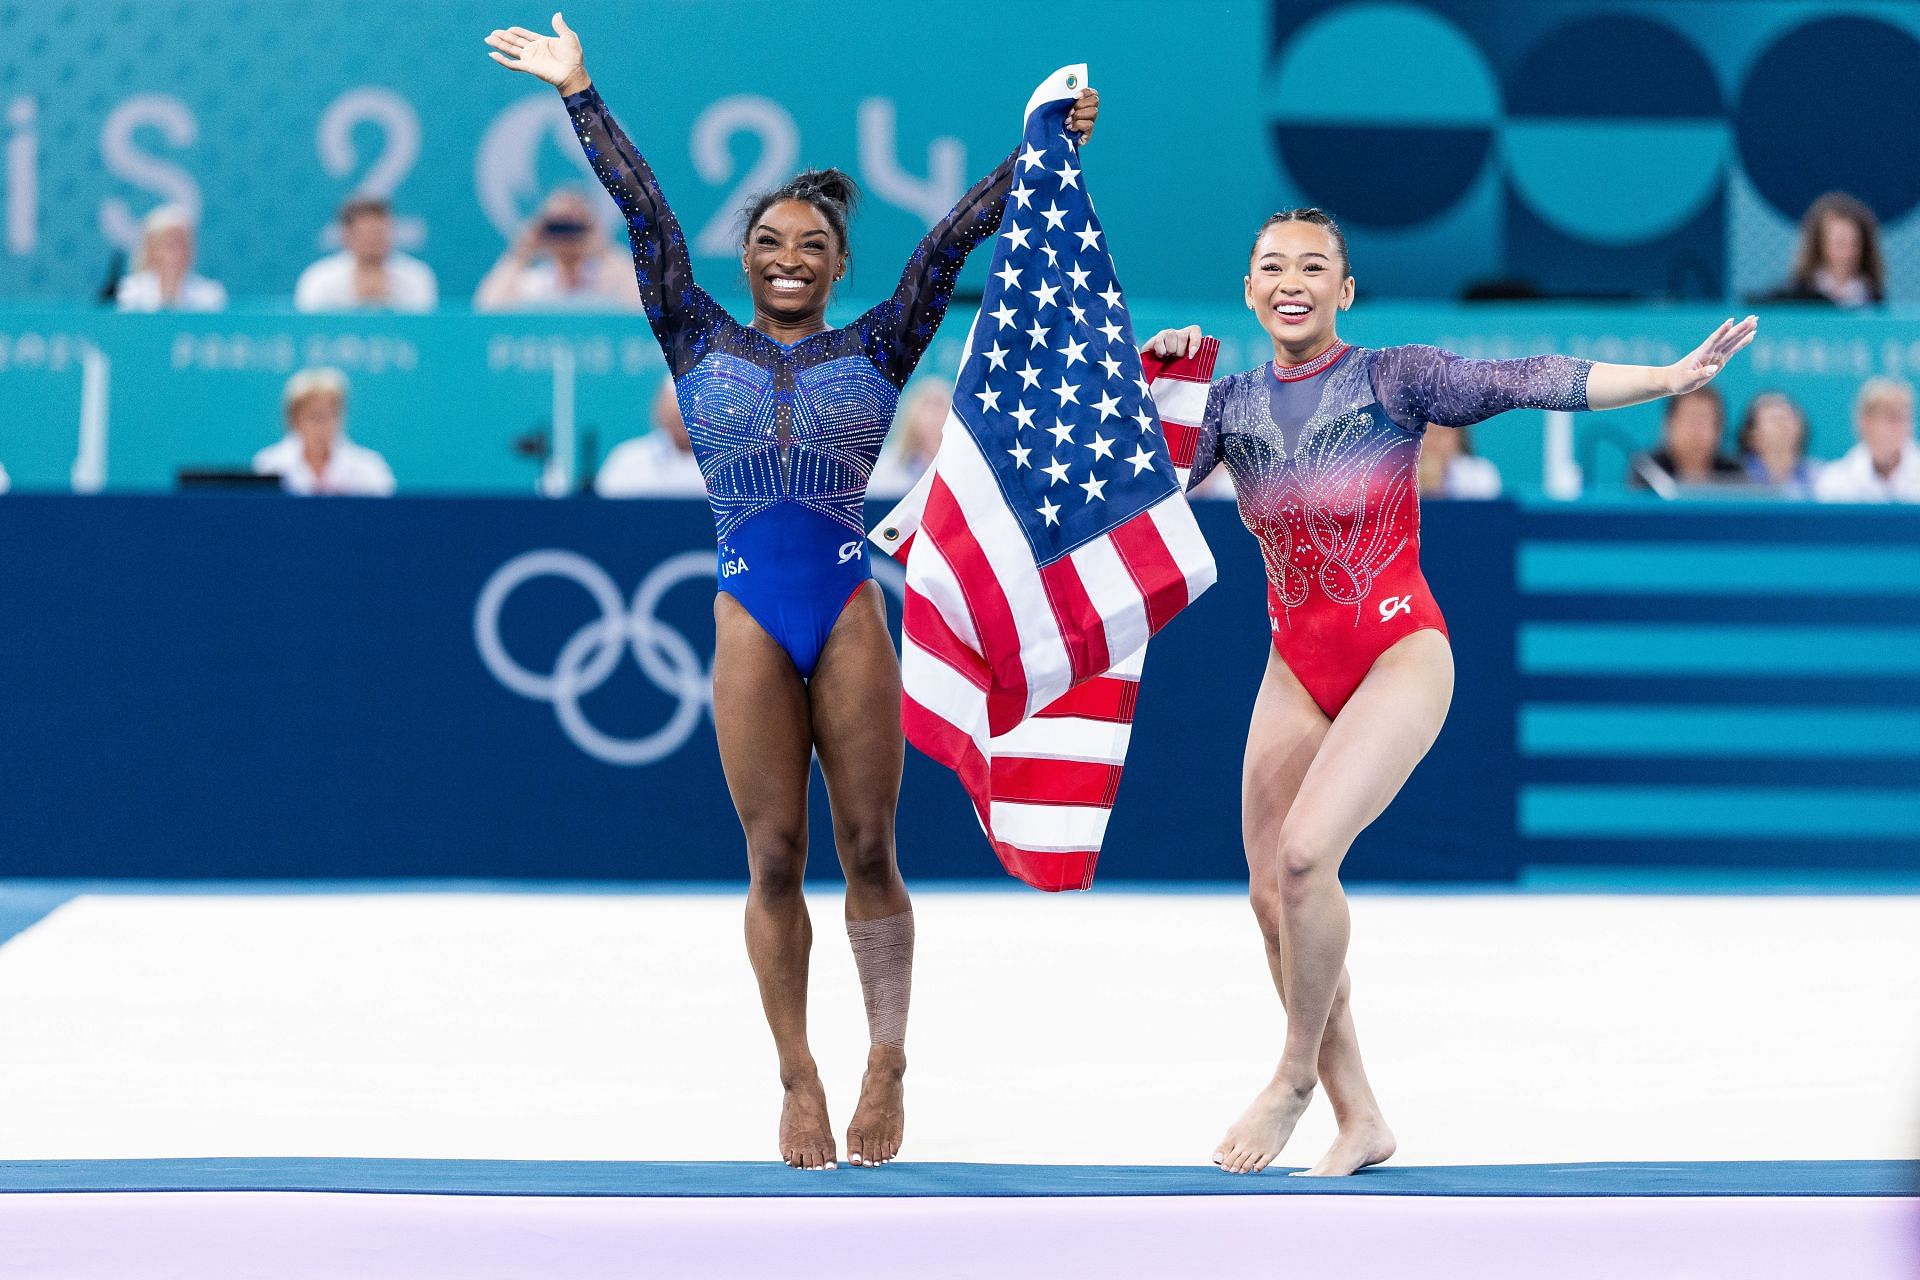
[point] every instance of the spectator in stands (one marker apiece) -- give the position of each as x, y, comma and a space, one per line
1773, 445
1838, 260
368, 274
561, 261
1449, 468
917, 424
163, 278
315, 456
1692, 427
659, 464
1885, 465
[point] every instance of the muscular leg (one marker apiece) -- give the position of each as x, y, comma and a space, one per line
855, 695
761, 718
1287, 730
1361, 764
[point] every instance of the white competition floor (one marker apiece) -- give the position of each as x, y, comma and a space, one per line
1118, 1027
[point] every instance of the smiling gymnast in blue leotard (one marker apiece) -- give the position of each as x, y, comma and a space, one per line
786, 417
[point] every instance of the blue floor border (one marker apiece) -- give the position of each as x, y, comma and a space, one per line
726, 1179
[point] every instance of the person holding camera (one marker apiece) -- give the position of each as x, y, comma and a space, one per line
561, 261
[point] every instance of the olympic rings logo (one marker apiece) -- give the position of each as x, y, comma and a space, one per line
587, 660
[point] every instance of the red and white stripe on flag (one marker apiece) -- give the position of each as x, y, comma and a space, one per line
1022, 678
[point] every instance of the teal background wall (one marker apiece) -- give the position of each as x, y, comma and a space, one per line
1600, 147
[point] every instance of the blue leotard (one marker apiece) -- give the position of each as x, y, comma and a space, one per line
786, 435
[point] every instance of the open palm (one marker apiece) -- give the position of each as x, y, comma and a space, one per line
1711, 356
551, 58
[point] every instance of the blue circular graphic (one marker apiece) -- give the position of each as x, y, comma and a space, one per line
1615, 133
1383, 113
1834, 105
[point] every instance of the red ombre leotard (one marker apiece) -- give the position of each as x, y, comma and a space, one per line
1324, 459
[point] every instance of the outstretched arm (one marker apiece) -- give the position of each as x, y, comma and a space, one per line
899, 330
1614, 386
661, 265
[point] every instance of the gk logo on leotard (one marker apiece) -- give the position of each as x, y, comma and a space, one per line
1394, 605
850, 551
588, 658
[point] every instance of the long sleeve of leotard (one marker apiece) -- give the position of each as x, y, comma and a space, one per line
898, 331
678, 309
1417, 385
1206, 450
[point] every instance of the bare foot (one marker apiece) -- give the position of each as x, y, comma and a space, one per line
806, 1135
881, 1118
1356, 1147
1260, 1133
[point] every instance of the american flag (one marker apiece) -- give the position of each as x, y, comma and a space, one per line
1050, 537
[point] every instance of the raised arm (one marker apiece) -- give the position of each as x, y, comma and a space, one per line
898, 331
675, 306
1426, 384
1418, 385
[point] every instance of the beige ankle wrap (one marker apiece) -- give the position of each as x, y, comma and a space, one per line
883, 952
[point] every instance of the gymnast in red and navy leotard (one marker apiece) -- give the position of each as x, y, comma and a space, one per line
1323, 459
1322, 444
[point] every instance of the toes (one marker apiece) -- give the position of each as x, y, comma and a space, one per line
856, 1147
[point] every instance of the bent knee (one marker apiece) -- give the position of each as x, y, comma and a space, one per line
1304, 862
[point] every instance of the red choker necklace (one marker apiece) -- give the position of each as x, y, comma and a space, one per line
1316, 365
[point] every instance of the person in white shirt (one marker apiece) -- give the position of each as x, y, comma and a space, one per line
5, 482
659, 464
315, 456
1885, 465
1449, 468
917, 425
368, 274
561, 261
163, 278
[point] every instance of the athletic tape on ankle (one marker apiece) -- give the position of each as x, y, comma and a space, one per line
883, 952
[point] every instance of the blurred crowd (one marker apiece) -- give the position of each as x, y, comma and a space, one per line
564, 258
